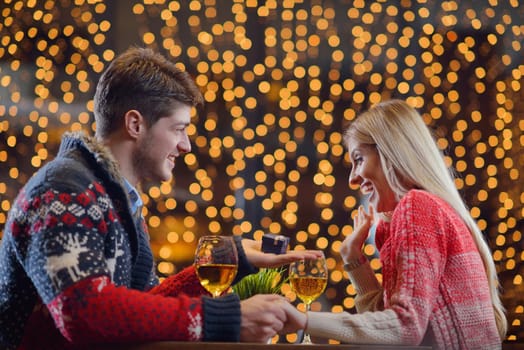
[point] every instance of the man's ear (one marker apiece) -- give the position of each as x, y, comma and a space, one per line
134, 123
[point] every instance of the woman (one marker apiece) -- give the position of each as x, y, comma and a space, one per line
439, 280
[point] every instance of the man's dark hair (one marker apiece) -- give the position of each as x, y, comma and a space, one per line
143, 80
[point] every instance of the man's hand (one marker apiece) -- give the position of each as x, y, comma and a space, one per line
265, 315
260, 259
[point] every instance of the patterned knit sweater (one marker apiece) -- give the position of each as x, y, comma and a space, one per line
434, 290
76, 268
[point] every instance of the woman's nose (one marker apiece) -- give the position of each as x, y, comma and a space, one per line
354, 178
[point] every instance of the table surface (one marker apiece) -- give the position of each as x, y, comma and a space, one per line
167, 345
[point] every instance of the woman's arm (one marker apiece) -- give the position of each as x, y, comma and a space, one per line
412, 266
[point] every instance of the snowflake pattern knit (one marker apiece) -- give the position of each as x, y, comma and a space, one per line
76, 267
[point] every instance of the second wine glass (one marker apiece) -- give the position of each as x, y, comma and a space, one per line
308, 280
216, 263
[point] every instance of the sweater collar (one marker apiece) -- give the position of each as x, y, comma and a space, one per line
88, 144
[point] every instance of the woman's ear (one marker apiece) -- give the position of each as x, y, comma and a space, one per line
134, 123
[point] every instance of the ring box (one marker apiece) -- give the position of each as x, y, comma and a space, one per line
276, 244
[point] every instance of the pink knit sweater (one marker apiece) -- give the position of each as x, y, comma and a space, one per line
434, 290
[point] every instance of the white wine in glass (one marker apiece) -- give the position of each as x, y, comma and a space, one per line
308, 279
216, 263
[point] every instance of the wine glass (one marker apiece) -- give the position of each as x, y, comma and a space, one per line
308, 280
216, 263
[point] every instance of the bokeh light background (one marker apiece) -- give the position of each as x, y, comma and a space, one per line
281, 80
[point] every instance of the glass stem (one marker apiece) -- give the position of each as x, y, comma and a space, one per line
307, 338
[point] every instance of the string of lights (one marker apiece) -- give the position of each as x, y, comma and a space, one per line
281, 80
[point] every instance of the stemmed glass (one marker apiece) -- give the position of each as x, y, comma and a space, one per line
216, 263
308, 280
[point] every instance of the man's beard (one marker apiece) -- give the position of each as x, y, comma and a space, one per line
142, 164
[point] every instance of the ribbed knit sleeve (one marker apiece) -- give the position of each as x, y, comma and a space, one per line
222, 318
363, 279
244, 266
368, 328
369, 291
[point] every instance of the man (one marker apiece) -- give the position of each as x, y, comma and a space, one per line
75, 264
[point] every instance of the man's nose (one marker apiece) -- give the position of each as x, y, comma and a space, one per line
184, 146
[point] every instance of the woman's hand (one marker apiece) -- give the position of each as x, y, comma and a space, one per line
256, 257
351, 247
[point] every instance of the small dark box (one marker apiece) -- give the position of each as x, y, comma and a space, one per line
276, 244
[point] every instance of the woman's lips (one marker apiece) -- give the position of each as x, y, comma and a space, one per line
366, 188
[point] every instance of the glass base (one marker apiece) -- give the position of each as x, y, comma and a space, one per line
306, 340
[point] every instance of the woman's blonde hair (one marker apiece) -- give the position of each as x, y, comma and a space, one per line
411, 159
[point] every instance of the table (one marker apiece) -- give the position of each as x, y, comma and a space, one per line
174, 345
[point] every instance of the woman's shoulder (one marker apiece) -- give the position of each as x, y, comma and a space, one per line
422, 196
423, 203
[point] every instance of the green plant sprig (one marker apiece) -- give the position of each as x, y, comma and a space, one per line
266, 281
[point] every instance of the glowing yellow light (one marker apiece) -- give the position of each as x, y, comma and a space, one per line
271, 126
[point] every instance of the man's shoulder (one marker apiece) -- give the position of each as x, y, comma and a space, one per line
62, 174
